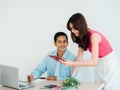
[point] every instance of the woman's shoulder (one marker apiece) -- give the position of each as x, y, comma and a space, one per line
91, 31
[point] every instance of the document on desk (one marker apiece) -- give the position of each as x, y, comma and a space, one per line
83, 85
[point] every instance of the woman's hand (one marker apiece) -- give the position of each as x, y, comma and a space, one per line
66, 62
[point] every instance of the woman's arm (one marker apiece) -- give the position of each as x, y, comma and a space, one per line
78, 58
95, 39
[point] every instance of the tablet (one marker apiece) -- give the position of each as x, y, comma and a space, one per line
50, 86
56, 58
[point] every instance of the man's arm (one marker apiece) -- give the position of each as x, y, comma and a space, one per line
38, 71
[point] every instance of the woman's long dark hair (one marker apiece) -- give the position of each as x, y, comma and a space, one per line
79, 23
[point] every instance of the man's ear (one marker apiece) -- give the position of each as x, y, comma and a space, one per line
54, 43
67, 43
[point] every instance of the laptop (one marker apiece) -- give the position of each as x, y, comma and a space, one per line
0, 73
10, 78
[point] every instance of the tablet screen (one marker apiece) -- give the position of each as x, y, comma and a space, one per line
56, 58
50, 86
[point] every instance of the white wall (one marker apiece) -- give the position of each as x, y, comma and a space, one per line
27, 28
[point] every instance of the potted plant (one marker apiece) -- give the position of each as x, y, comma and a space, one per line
70, 84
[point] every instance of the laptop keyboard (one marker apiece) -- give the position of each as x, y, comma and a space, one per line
22, 85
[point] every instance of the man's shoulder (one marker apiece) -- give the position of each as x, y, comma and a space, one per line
52, 52
70, 53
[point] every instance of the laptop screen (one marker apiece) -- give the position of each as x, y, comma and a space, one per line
9, 76
0, 73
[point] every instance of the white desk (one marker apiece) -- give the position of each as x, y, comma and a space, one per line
83, 86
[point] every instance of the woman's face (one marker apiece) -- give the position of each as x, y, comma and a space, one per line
73, 30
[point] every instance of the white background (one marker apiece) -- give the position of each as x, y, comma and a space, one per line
27, 28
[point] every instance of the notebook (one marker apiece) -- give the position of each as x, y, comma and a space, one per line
10, 78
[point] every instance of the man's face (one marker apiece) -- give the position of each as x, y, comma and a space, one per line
61, 43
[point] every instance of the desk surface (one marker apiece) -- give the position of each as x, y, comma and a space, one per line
39, 85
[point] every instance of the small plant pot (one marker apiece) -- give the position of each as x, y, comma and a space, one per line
70, 84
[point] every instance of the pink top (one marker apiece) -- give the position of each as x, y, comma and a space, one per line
104, 46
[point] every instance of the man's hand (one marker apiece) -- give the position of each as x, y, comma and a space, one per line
53, 78
30, 78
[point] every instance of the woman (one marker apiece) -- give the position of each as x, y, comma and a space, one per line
102, 55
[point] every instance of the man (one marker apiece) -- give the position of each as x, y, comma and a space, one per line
55, 70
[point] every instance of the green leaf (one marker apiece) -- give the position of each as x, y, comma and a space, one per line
71, 82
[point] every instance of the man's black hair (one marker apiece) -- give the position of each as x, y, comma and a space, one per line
59, 34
